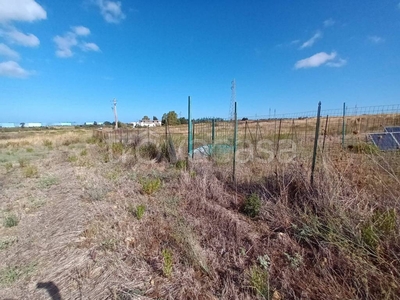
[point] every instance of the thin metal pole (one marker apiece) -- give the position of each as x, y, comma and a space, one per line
189, 129
315, 143
235, 144
325, 132
279, 136
344, 124
213, 131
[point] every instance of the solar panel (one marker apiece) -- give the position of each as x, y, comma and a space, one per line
396, 135
392, 129
385, 141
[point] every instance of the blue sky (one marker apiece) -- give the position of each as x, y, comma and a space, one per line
67, 60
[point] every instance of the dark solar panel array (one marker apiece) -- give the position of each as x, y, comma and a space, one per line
396, 135
385, 141
392, 129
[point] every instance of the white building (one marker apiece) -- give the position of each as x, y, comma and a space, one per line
146, 123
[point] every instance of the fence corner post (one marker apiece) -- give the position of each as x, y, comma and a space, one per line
315, 143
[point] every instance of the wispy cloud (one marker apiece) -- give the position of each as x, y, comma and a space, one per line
111, 10
376, 39
81, 30
13, 69
320, 59
14, 36
337, 64
90, 47
311, 41
329, 22
72, 39
21, 10
8, 52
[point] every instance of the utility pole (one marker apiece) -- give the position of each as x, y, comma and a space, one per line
115, 113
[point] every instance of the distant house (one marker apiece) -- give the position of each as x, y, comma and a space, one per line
88, 123
63, 124
146, 123
7, 125
30, 125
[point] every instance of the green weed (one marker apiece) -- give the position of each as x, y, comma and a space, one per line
31, 171
150, 185
72, 158
167, 262
84, 152
252, 205
23, 162
139, 212
10, 220
8, 166
29, 150
7, 242
117, 149
259, 280
48, 143
11, 274
48, 182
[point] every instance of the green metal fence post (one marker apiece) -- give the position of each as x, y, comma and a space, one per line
213, 131
235, 144
344, 124
315, 143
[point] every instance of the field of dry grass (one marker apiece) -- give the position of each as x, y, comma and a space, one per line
82, 219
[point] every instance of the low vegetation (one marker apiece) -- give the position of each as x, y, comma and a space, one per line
121, 221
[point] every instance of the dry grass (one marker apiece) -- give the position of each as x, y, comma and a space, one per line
123, 228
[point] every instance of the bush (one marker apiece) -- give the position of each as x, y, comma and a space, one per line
252, 205
9, 166
117, 148
150, 185
48, 143
10, 221
22, 162
167, 262
258, 278
31, 171
149, 151
139, 212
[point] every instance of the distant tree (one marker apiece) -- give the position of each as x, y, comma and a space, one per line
183, 120
107, 123
171, 118
22, 125
95, 123
245, 119
155, 118
146, 118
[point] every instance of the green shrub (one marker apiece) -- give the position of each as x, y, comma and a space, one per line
167, 262
10, 221
259, 280
83, 152
252, 205
139, 212
150, 185
149, 151
31, 171
117, 148
22, 162
48, 143
8, 166
181, 165
29, 150
72, 158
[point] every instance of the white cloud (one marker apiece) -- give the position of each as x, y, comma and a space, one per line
111, 10
13, 69
315, 61
64, 44
90, 47
17, 37
329, 22
376, 39
71, 39
8, 52
311, 41
337, 64
21, 10
81, 30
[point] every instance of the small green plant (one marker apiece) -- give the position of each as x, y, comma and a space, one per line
167, 262
117, 148
150, 185
48, 143
139, 212
29, 150
7, 242
48, 182
83, 152
181, 165
22, 162
8, 166
259, 280
252, 205
109, 244
31, 171
72, 158
10, 221
149, 151
295, 261
12, 273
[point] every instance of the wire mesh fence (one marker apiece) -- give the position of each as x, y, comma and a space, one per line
280, 138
